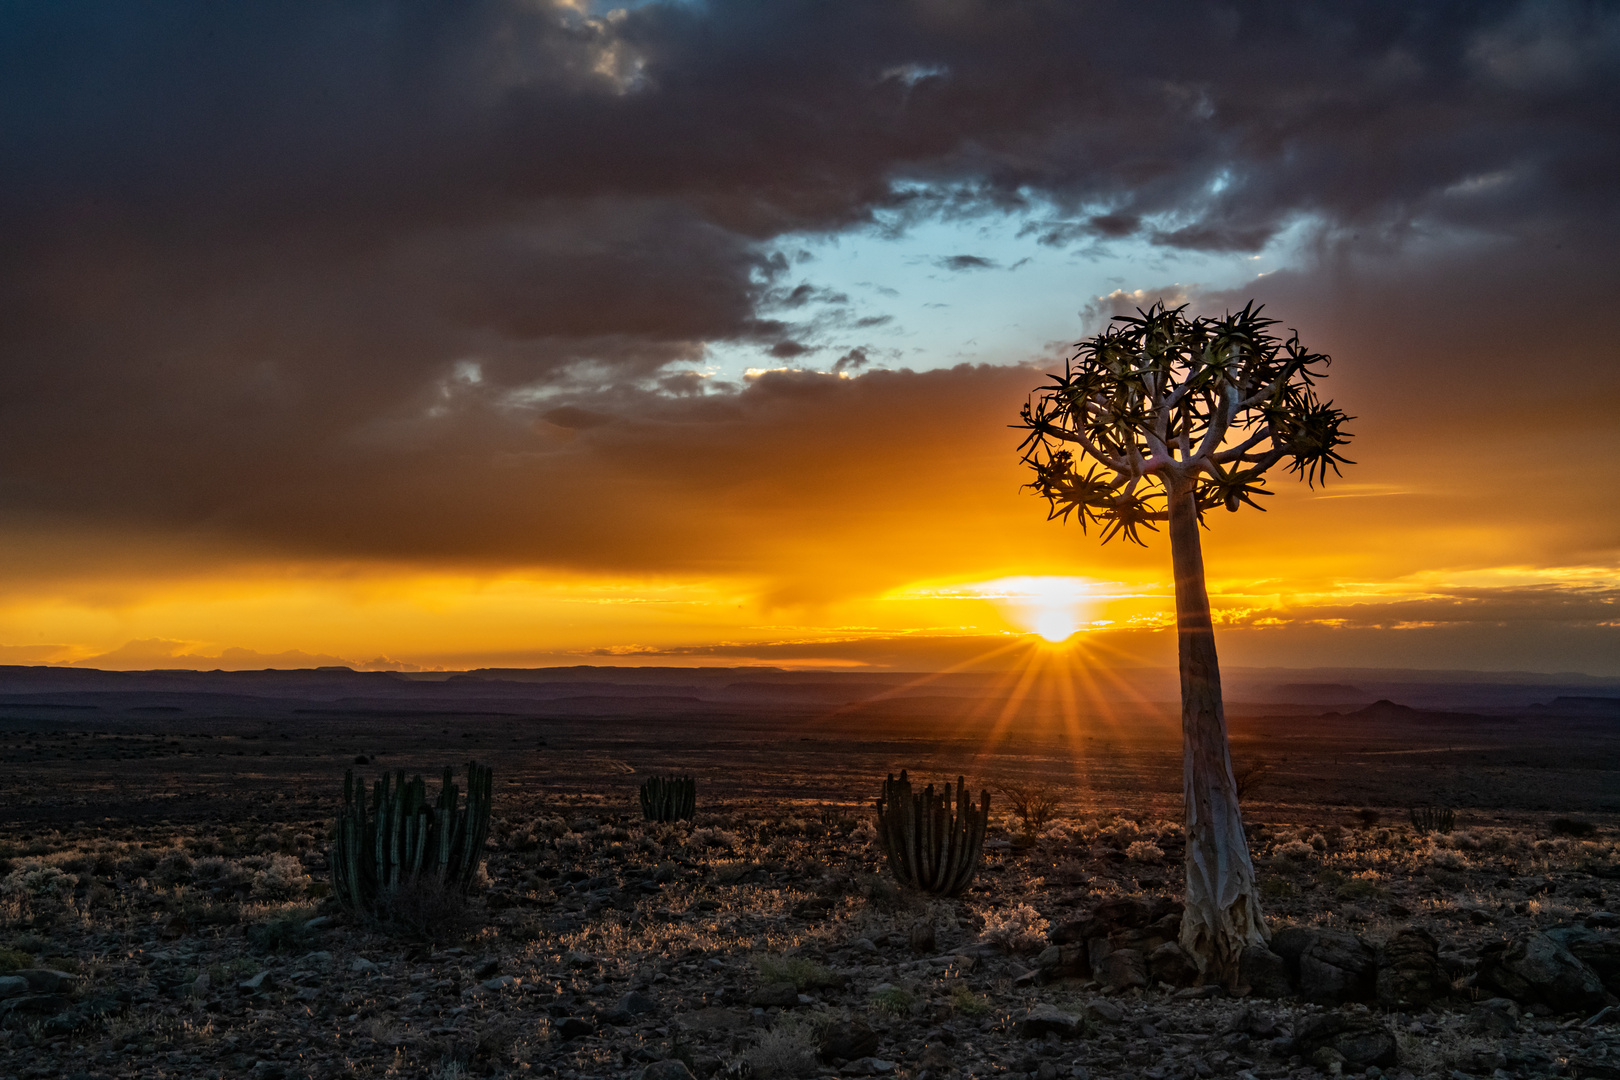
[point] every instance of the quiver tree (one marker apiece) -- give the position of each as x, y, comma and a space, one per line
1162, 418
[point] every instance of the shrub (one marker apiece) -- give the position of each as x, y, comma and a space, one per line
281, 880
1294, 849
1021, 929
1428, 819
1033, 804
893, 1000
788, 1049
1563, 826
803, 973
284, 934
966, 1002
1144, 851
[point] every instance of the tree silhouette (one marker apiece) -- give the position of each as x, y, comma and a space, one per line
1172, 417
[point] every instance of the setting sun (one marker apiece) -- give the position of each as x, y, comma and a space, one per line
1048, 606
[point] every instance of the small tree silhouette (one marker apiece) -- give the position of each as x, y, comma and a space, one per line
1172, 417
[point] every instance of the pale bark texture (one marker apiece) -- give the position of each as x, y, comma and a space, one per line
1222, 913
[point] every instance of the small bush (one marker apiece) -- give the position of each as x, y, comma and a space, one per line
281, 880
788, 1049
894, 1000
803, 973
966, 1002
285, 934
1429, 819
1563, 826
15, 960
1276, 888
1020, 930
1144, 851
1033, 804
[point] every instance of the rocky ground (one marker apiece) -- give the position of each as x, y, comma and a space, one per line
744, 944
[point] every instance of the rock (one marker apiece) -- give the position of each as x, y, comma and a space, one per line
45, 980
783, 995
362, 964
259, 983
1063, 961
1123, 912
850, 1041
1330, 967
1077, 931
1357, 1038
12, 986
1264, 972
1597, 948
1122, 969
1105, 1010
573, 1027
921, 937
1495, 1018
1409, 971
635, 1003
1049, 1018
668, 1069
1171, 965
1535, 969
499, 982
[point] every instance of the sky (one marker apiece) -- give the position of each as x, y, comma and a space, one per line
424, 336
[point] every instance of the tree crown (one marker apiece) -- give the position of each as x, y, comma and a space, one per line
1160, 401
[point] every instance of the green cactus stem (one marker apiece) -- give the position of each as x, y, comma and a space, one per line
404, 839
672, 798
931, 847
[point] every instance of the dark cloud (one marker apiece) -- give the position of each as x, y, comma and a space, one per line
965, 262
410, 282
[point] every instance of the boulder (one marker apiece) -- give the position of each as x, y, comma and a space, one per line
1075, 931
1330, 967
1409, 971
1355, 1038
1049, 1018
574, 1027
1264, 972
1104, 1010
1063, 961
12, 986
1123, 912
850, 1041
1536, 969
784, 995
1171, 965
1122, 969
46, 980
1597, 948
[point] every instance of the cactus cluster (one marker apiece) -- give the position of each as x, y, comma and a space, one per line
1428, 819
930, 846
672, 798
404, 838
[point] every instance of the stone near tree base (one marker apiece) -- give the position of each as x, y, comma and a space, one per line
1049, 1018
1409, 971
1329, 967
1122, 969
1171, 965
1535, 969
1356, 1037
1264, 973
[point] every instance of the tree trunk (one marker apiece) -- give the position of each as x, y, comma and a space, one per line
1222, 914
